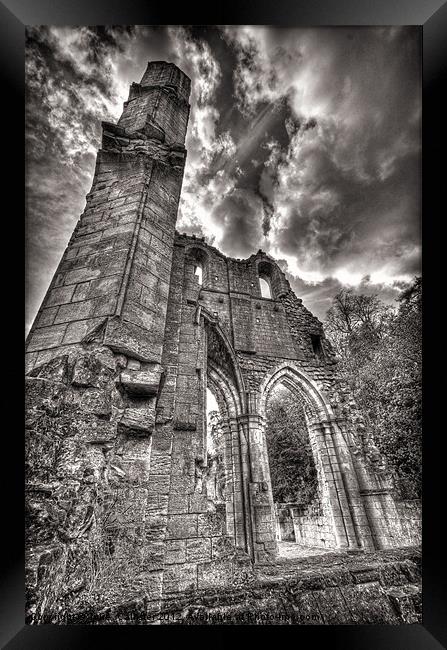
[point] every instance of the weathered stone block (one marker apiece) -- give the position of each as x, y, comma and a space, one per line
180, 578
366, 601
178, 504
198, 550
81, 292
92, 370
153, 555
182, 526
46, 337
407, 602
198, 503
159, 484
96, 401
75, 311
222, 547
56, 369
130, 340
59, 296
141, 383
46, 317
77, 330
210, 524
80, 275
137, 421
215, 574
175, 551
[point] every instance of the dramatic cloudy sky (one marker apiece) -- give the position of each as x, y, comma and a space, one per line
302, 142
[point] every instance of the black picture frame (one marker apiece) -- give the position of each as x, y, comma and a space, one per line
431, 16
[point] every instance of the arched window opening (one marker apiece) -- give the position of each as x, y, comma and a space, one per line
197, 264
265, 288
317, 346
198, 272
265, 273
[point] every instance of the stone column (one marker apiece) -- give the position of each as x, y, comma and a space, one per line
189, 530
261, 506
242, 508
229, 468
379, 505
353, 501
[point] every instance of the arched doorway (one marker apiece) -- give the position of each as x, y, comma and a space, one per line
336, 519
225, 383
299, 490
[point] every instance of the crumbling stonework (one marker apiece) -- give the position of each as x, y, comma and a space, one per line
119, 358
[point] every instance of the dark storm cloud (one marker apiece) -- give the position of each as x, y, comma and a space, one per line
346, 189
69, 89
239, 213
304, 142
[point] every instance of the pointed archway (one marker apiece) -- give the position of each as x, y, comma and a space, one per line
225, 381
343, 517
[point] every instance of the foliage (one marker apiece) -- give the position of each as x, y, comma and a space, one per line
214, 432
379, 350
292, 468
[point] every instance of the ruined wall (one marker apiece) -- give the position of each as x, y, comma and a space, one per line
305, 525
118, 260
382, 589
99, 458
118, 361
410, 522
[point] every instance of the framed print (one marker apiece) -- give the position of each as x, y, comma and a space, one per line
230, 404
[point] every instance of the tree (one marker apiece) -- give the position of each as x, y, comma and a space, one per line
356, 324
292, 468
380, 358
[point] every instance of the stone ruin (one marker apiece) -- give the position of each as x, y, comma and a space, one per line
118, 363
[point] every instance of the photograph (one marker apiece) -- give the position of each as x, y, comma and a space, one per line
223, 418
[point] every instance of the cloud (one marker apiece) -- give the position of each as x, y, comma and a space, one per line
211, 201
302, 142
70, 87
75, 78
318, 296
343, 194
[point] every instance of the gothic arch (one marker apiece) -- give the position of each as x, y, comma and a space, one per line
224, 390
309, 397
196, 255
329, 451
297, 381
198, 252
222, 358
229, 400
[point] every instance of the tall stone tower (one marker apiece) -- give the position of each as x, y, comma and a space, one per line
118, 262
123, 348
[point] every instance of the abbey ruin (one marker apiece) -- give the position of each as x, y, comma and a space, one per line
125, 345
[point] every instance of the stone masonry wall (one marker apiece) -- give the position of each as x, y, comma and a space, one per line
410, 517
305, 525
118, 260
118, 361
